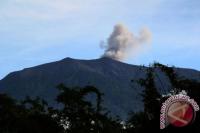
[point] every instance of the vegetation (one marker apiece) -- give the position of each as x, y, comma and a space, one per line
78, 115
148, 120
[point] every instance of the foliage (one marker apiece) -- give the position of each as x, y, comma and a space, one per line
17, 118
149, 119
79, 115
142, 123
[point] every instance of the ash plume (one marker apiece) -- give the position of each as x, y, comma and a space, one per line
122, 43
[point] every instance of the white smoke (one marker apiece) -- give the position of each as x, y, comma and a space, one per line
122, 43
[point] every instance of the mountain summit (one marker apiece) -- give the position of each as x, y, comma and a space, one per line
113, 78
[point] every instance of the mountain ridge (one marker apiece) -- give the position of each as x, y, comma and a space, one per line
112, 77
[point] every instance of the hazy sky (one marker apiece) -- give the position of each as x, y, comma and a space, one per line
34, 32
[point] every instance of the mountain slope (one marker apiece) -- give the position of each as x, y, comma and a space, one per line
113, 78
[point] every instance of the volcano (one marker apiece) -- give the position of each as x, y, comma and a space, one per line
111, 77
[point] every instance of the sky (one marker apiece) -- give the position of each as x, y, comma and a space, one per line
34, 32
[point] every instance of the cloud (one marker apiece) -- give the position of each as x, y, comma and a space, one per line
122, 43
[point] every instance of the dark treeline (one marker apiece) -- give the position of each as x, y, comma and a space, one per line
79, 115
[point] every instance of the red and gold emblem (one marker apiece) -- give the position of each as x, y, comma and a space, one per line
178, 110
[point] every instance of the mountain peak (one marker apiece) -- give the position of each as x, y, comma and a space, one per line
112, 78
102, 59
106, 58
68, 58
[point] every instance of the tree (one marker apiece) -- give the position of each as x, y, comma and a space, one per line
79, 116
149, 119
150, 95
16, 117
